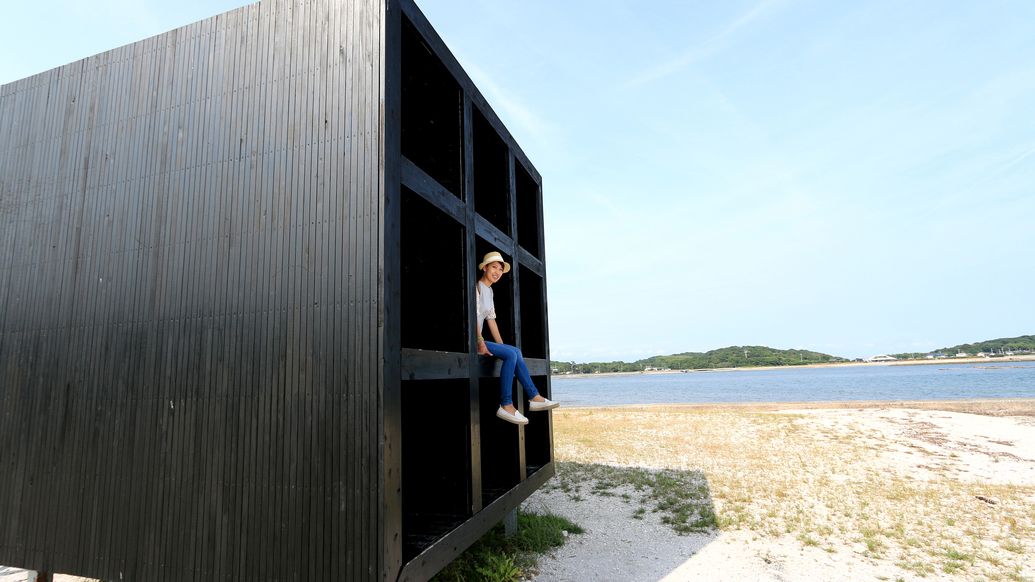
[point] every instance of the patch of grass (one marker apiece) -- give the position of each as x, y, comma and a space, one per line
498, 569
1015, 574
497, 558
682, 496
920, 568
959, 556
1013, 546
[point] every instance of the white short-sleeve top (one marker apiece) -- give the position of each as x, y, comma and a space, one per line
483, 300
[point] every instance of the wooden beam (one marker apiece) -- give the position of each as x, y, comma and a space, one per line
432, 365
417, 180
531, 263
490, 233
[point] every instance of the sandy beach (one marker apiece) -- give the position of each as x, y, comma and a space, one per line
932, 490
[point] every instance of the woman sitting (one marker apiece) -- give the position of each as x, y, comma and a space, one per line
493, 267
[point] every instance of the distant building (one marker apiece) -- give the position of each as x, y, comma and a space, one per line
962, 355
882, 358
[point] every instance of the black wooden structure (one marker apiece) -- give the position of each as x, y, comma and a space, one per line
237, 265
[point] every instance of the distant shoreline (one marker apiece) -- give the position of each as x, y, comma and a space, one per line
944, 361
981, 406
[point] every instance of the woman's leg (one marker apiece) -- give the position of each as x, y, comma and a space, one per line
513, 361
524, 378
510, 357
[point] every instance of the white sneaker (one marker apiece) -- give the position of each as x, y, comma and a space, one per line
534, 406
516, 418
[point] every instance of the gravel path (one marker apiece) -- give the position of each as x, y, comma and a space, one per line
616, 546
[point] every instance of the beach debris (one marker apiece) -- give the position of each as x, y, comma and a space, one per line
988, 500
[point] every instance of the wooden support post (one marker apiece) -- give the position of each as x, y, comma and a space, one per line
510, 523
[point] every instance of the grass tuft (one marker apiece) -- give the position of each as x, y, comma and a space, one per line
497, 558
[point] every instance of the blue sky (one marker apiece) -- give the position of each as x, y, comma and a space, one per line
849, 177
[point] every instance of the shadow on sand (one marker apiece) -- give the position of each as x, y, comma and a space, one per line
641, 524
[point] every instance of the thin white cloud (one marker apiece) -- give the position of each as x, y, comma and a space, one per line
1018, 160
510, 107
707, 47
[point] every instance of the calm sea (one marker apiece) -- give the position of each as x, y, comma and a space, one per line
930, 382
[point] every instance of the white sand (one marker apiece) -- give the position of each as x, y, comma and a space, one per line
918, 443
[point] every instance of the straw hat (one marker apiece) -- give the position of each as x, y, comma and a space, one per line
494, 257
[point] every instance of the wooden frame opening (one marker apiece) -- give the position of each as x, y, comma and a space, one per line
500, 442
434, 302
432, 113
537, 433
436, 461
528, 214
533, 336
491, 159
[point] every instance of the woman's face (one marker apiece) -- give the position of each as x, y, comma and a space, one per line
493, 271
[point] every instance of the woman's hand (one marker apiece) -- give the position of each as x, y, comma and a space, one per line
483, 350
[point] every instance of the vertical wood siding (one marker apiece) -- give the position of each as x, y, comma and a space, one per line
190, 303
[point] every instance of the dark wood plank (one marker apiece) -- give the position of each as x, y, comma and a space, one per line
527, 260
471, 275
392, 519
516, 302
494, 236
431, 365
417, 180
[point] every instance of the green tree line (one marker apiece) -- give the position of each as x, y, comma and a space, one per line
731, 357
1023, 343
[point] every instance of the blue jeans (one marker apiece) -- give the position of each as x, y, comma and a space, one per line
512, 360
